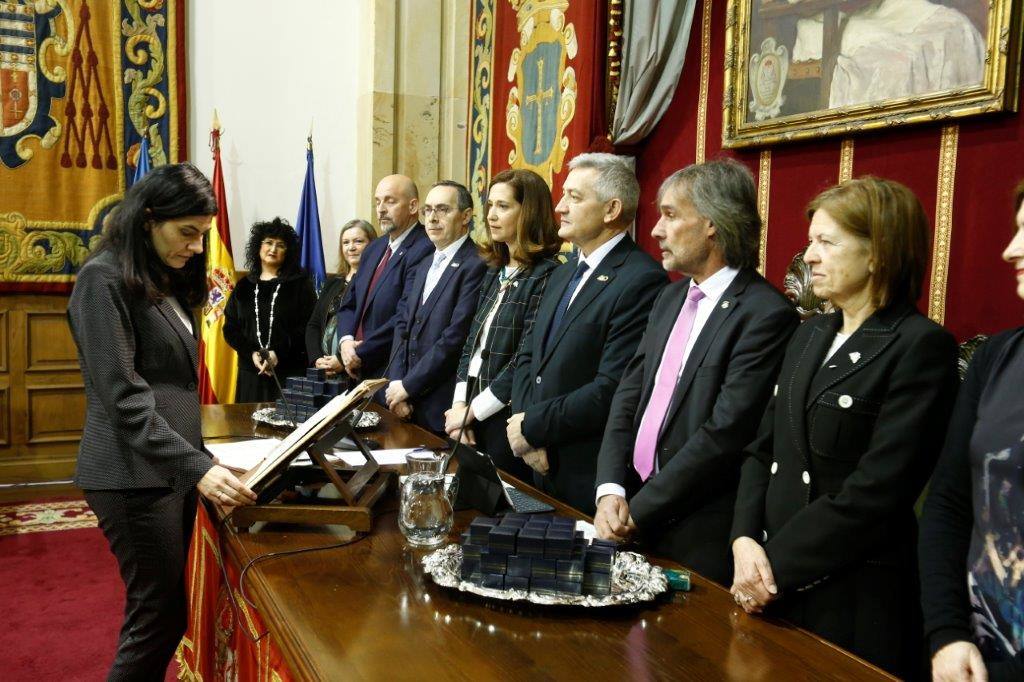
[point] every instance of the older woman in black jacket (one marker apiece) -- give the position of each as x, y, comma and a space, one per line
824, 529
972, 530
521, 254
142, 460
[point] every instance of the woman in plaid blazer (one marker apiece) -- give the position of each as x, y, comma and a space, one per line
521, 254
142, 461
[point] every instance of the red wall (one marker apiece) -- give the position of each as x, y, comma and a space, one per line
980, 294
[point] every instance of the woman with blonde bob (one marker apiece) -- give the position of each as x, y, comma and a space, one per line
824, 530
523, 241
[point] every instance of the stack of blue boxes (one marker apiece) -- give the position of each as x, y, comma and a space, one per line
538, 553
302, 397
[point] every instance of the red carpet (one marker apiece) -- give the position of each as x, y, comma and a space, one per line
61, 598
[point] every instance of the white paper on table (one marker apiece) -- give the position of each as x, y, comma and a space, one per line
246, 454
243, 455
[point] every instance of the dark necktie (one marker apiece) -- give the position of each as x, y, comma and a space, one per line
369, 291
563, 305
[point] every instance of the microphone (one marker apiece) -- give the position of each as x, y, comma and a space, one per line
265, 357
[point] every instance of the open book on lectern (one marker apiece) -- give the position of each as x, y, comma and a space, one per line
309, 432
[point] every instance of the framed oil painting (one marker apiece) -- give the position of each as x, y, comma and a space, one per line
808, 68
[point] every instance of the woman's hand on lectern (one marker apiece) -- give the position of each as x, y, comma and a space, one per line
223, 487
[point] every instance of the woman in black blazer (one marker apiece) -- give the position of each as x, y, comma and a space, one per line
321, 332
824, 530
141, 458
972, 537
521, 255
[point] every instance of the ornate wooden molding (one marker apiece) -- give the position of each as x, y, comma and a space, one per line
846, 160
705, 74
613, 60
764, 185
943, 223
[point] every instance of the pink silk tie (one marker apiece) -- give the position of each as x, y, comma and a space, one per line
664, 386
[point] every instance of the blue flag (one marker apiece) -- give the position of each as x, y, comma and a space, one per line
308, 227
142, 165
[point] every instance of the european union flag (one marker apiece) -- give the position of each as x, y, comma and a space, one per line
308, 227
142, 166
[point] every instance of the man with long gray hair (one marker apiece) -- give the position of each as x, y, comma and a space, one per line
694, 392
588, 325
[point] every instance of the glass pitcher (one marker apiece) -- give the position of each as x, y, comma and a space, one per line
425, 513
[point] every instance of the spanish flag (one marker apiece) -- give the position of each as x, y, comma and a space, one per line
218, 363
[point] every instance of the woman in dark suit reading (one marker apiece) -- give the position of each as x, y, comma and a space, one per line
141, 459
824, 531
523, 241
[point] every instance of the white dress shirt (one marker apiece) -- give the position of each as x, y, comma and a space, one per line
485, 404
714, 288
592, 261
185, 318
441, 259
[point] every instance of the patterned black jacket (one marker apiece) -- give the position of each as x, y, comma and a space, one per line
515, 316
142, 425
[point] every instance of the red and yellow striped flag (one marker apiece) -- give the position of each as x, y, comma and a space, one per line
218, 362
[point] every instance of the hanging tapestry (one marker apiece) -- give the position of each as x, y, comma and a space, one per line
538, 84
80, 82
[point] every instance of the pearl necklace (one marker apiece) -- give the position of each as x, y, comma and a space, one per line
273, 302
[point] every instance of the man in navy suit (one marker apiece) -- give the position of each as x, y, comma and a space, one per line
588, 325
435, 312
366, 317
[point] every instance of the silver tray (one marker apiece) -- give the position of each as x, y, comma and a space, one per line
634, 580
270, 416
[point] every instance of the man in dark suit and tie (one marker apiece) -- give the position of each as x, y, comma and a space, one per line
366, 317
588, 325
693, 395
435, 312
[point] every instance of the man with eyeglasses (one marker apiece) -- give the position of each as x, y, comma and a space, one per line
366, 316
435, 312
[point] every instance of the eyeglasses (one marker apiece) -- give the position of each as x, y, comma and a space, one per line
440, 211
274, 244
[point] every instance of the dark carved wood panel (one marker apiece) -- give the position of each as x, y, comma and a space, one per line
5, 413
4, 345
42, 403
56, 413
48, 342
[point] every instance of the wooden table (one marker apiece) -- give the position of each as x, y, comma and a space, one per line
368, 611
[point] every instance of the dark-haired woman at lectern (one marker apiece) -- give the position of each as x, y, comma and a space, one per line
141, 459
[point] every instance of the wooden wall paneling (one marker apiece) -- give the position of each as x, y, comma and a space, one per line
48, 342
42, 399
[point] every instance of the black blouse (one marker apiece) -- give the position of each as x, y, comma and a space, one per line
972, 531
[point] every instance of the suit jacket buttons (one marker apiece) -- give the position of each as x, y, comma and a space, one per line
764, 536
776, 391
538, 381
807, 478
775, 468
845, 402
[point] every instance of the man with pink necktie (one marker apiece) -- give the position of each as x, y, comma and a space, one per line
693, 394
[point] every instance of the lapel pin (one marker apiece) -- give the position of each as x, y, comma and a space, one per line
854, 357
602, 278
454, 265
725, 304
831, 366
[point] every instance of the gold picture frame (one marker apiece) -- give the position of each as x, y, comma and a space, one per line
783, 82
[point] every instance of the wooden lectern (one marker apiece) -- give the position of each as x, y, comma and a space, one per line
317, 436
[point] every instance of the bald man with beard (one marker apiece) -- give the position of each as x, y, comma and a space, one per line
366, 316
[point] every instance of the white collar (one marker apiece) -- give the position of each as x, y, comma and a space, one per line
451, 249
715, 285
394, 243
598, 254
